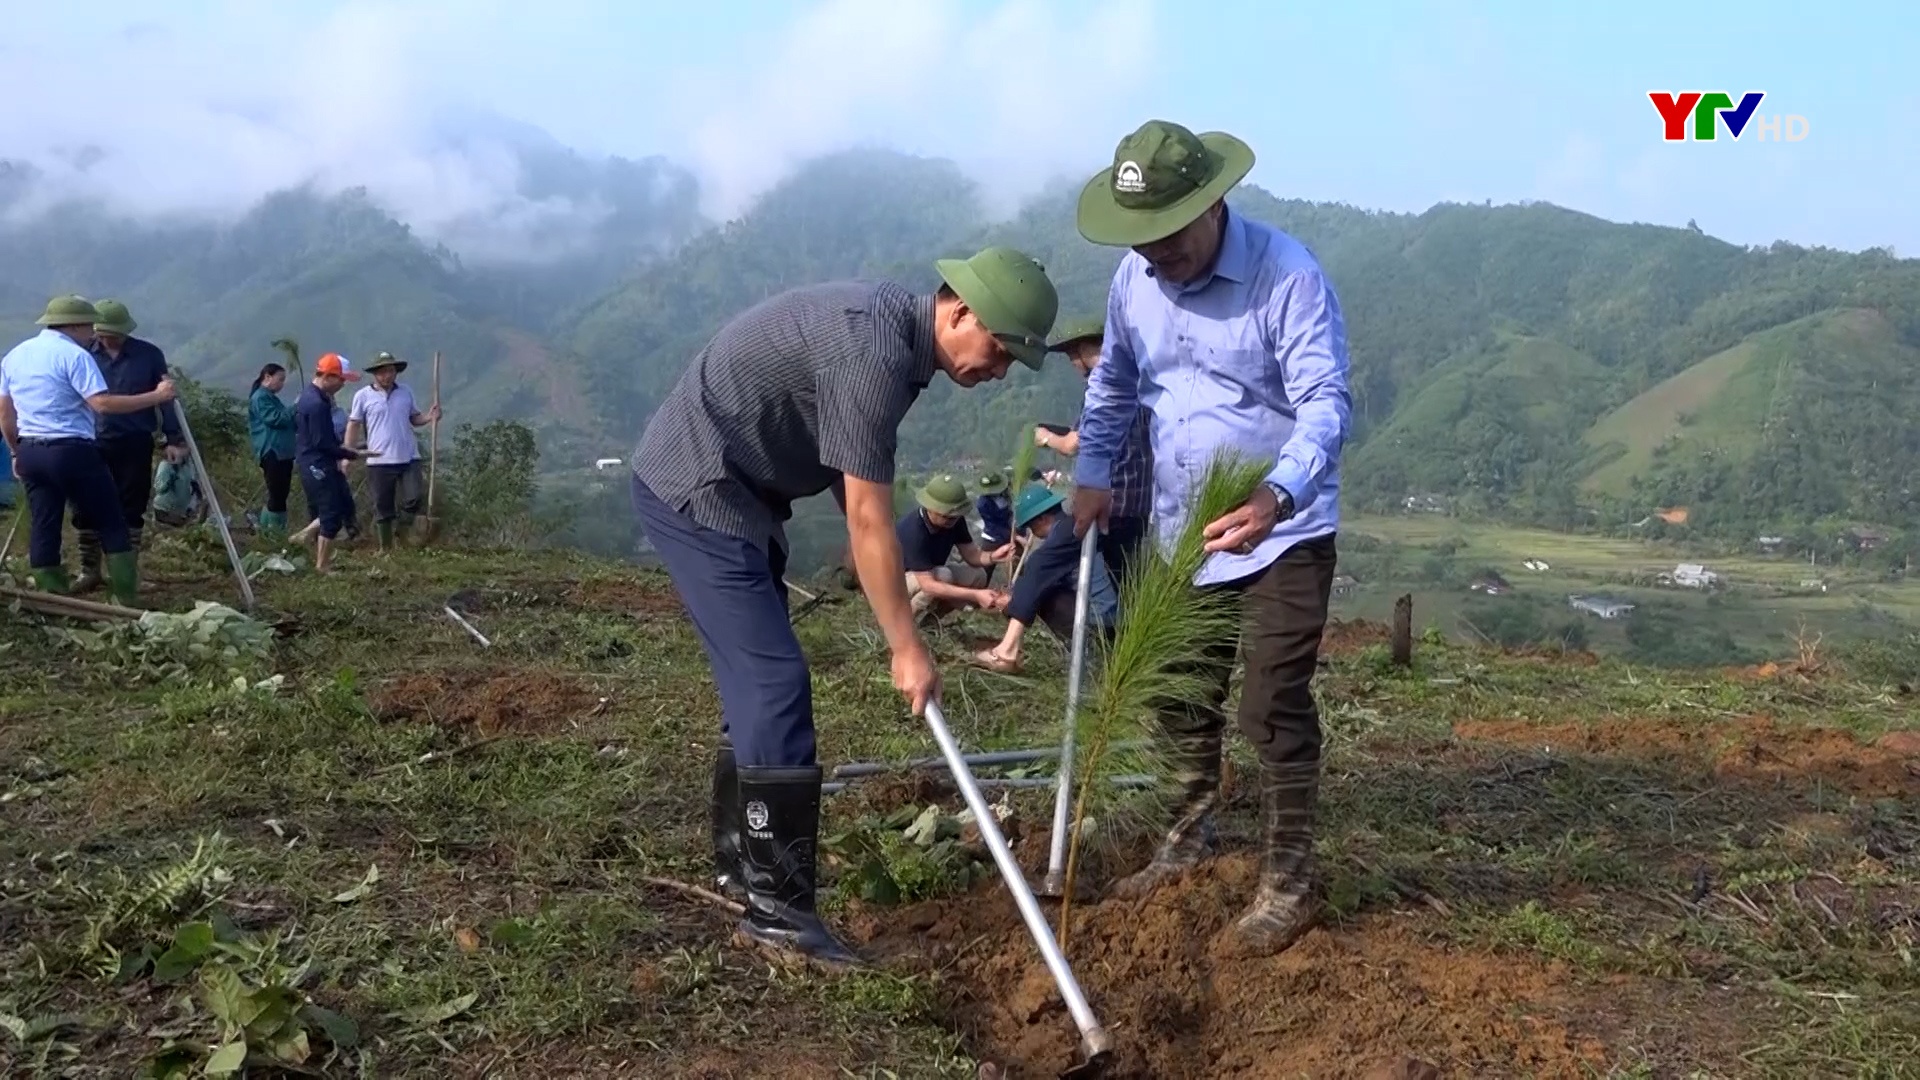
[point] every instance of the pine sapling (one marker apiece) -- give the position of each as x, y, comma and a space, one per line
1158, 648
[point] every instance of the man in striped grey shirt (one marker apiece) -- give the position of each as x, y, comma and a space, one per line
801, 394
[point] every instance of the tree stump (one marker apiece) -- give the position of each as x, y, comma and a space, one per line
1403, 631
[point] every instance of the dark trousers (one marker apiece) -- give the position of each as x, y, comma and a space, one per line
1283, 612
130, 463
734, 592
329, 498
396, 490
278, 472
61, 471
1120, 543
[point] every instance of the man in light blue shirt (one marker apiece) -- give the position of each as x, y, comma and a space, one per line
51, 394
1226, 330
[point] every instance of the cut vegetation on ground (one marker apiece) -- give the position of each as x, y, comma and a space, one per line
411, 856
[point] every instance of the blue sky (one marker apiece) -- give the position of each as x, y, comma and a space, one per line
1387, 105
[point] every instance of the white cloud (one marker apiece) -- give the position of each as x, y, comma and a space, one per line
208, 107
1016, 95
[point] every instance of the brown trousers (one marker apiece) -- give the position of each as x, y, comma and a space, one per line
1283, 612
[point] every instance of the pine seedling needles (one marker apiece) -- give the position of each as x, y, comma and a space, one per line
1165, 628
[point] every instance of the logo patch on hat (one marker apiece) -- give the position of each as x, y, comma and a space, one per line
1127, 178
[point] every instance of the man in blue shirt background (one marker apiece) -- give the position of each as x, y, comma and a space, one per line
1132, 470
1229, 333
131, 366
51, 395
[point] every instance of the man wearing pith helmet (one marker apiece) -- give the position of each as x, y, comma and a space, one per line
1228, 331
801, 394
131, 366
51, 395
1132, 470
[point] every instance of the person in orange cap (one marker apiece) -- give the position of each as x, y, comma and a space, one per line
319, 455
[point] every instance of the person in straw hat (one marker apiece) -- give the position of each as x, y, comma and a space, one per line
800, 394
930, 535
131, 366
1230, 332
52, 396
382, 418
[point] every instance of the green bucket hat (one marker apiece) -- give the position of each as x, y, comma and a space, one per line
944, 495
68, 311
992, 483
1011, 294
1163, 178
1094, 327
387, 359
112, 317
1033, 502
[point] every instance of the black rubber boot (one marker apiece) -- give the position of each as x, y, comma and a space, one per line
728, 875
780, 809
92, 576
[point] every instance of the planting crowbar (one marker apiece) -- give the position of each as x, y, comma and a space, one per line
213, 503
1096, 1046
1055, 883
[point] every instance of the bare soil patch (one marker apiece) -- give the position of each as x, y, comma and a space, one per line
521, 703
1373, 998
627, 596
1752, 748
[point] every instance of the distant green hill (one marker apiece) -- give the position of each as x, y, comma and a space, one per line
1812, 418
1529, 362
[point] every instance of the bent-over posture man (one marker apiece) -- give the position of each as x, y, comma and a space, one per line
131, 366
801, 394
51, 396
1228, 332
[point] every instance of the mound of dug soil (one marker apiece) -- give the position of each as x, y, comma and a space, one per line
1753, 747
492, 704
1370, 999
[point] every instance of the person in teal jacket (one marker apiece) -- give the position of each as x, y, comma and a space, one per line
270, 422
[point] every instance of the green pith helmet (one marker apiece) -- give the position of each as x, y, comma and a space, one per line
1093, 327
68, 311
1162, 179
1011, 294
112, 317
1035, 501
992, 483
944, 495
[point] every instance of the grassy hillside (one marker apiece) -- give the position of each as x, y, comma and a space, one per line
1809, 417
382, 849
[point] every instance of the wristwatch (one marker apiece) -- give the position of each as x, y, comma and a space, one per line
1282, 502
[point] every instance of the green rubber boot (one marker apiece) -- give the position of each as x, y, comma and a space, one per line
123, 579
385, 531
90, 575
52, 579
273, 524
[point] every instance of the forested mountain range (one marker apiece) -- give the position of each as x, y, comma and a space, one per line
1524, 361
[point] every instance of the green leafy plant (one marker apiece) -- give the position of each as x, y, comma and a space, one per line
913, 853
1164, 630
212, 639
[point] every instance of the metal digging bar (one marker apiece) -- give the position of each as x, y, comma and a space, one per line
1096, 1046
213, 502
1055, 882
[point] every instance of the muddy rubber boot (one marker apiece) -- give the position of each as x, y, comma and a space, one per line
91, 576
728, 875
52, 579
384, 530
780, 808
123, 579
1283, 906
1196, 774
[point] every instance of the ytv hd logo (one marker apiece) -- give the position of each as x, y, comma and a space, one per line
1710, 109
